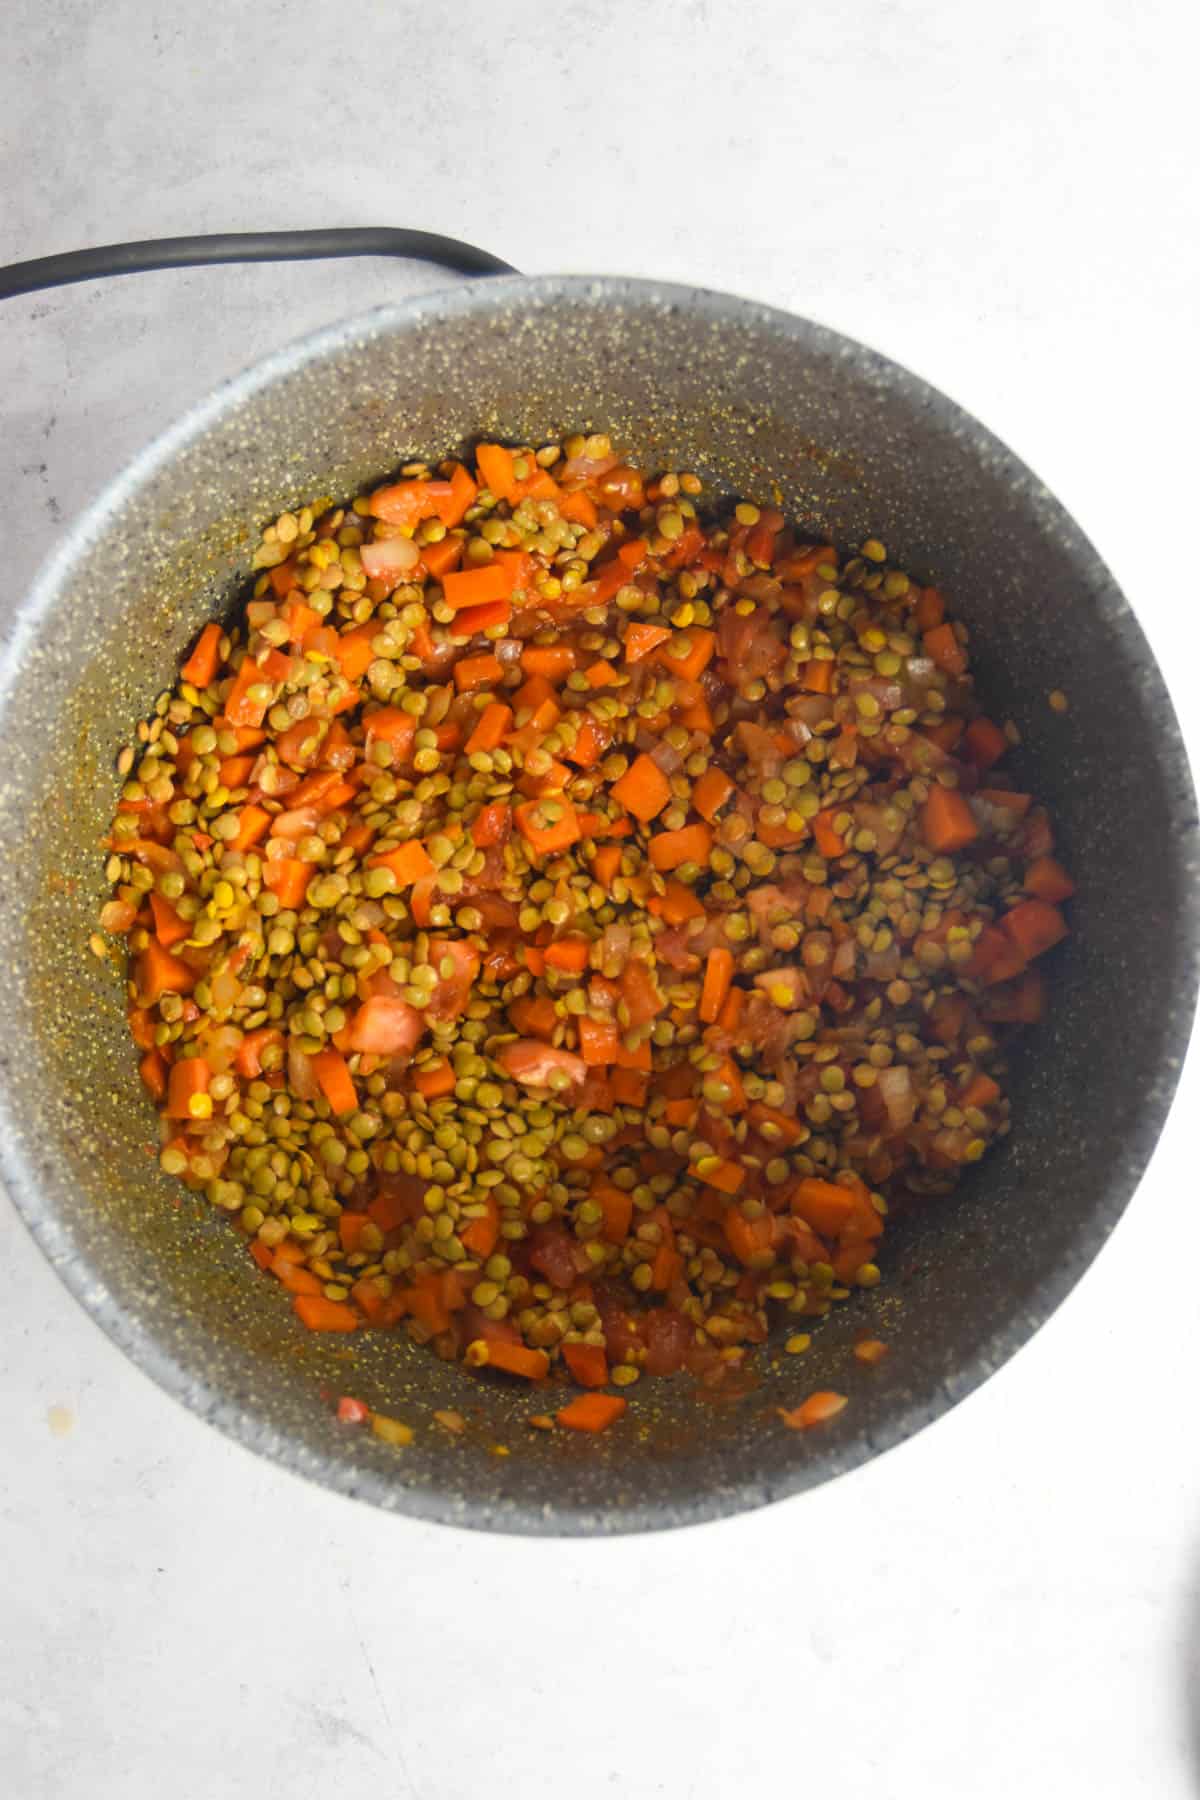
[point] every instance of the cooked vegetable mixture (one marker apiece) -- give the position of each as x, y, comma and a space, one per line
559, 925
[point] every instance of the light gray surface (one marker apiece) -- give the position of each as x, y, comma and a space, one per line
1008, 204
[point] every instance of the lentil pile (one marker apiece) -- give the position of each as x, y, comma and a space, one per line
557, 925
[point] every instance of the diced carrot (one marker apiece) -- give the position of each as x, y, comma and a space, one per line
617, 1207
671, 849
579, 509
438, 559
476, 587
591, 741
543, 834
591, 1412
947, 822
153, 1071
587, 1363
711, 792
516, 1359
1045, 878
749, 1239
814, 1411
930, 609
630, 1087
943, 646
408, 503
666, 1268
187, 1089
641, 639
718, 975
452, 508
829, 840
435, 1082
726, 1177
480, 1236
495, 465
643, 790
158, 972
473, 619
239, 708
825, 1205
262, 1254
288, 878
491, 728
320, 1314
985, 743
169, 928
599, 1041
351, 1226
335, 1081
689, 653
818, 676
491, 824
294, 1276
568, 953
253, 824
870, 1351
354, 652
606, 863
1034, 927
409, 862
554, 662
202, 665
473, 672
678, 904
980, 1091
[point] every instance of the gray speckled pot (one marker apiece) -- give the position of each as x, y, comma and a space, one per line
752, 399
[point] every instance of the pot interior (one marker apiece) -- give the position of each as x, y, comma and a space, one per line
757, 404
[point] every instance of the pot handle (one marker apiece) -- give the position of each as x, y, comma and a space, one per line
243, 247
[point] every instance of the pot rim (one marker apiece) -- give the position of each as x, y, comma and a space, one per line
830, 1457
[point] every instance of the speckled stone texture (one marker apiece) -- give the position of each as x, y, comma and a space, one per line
753, 400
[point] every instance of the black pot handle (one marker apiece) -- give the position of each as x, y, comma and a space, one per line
244, 247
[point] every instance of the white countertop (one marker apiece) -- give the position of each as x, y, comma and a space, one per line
1004, 198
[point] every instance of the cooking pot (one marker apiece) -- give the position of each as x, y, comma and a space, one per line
759, 404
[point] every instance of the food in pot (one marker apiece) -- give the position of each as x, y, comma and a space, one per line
561, 924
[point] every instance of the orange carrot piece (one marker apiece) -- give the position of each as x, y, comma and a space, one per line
153, 1071
749, 1239
202, 665
947, 822
320, 1314
516, 1359
599, 1041
435, 1082
985, 743
543, 835
495, 465
294, 1277
158, 972
568, 953
253, 824
824, 1205
579, 509
689, 653
830, 841
482, 1234
678, 904
476, 587
1034, 927
640, 640
335, 1081
943, 646
187, 1089
591, 741
726, 1177
591, 1412
617, 1208
822, 1405
1045, 878
643, 790
552, 661
711, 792
870, 1351
671, 849
351, 1226
718, 976
288, 878
587, 1364
473, 672
169, 928
629, 1086
981, 1090
818, 676
491, 728
606, 863
930, 609
409, 863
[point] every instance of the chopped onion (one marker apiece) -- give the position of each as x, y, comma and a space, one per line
301, 1079
844, 959
298, 823
895, 1088
586, 468
507, 652
666, 756
117, 916
389, 557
